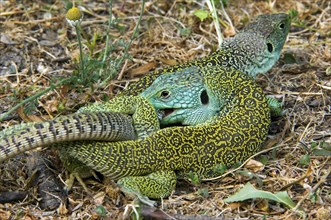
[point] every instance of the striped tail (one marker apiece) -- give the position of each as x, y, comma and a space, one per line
102, 126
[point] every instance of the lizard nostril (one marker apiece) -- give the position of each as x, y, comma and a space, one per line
270, 47
204, 97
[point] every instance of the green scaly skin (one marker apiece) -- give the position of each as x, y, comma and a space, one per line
110, 121
239, 57
184, 96
179, 98
92, 126
146, 166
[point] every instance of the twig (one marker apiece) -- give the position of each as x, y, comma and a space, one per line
110, 22
322, 180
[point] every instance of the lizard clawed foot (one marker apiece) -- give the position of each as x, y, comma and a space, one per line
146, 200
129, 209
69, 182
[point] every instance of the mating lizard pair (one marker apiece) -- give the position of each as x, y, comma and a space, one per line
234, 122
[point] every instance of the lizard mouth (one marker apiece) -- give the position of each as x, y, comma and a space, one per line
168, 112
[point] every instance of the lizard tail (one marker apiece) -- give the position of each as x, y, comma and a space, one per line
100, 126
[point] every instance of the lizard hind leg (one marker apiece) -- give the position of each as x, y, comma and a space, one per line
78, 170
156, 185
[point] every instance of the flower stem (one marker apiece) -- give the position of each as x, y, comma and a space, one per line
82, 66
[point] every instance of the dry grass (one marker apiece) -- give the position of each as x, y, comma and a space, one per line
34, 36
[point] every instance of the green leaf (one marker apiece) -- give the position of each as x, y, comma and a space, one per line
185, 32
321, 152
325, 146
321, 148
219, 169
305, 159
101, 211
263, 159
293, 13
68, 5
201, 14
249, 192
251, 175
289, 58
313, 145
203, 192
194, 178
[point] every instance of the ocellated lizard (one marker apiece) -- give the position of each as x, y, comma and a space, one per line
146, 167
216, 66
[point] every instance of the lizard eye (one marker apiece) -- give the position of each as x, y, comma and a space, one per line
165, 94
281, 26
270, 47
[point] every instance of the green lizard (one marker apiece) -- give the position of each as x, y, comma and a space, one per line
229, 60
234, 135
253, 51
185, 97
146, 167
111, 121
178, 98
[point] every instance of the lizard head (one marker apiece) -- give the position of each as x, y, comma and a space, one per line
274, 28
258, 45
181, 98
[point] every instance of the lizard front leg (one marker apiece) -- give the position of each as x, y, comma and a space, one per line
144, 120
144, 117
156, 185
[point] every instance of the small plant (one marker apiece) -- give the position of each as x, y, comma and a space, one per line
74, 17
100, 67
90, 69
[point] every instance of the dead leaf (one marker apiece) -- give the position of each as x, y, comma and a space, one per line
112, 191
51, 106
170, 62
263, 205
4, 214
229, 31
99, 198
142, 69
254, 165
234, 205
323, 213
7, 40
30, 118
